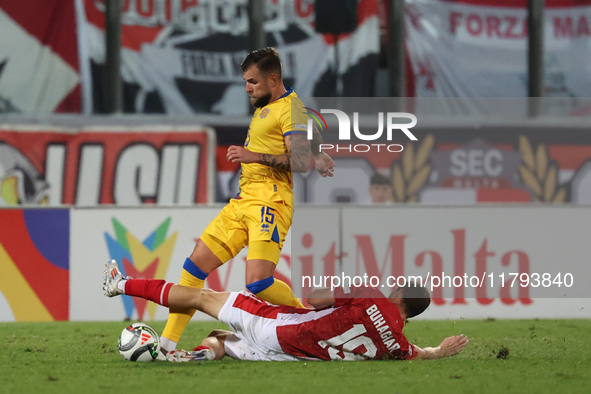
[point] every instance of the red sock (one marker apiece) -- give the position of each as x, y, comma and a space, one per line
151, 289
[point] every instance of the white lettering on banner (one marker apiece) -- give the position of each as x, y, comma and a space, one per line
139, 169
476, 162
206, 16
89, 175
81, 167
223, 66
142, 174
54, 172
208, 64
137, 174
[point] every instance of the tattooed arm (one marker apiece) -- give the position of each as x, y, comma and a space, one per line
297, 158
323, 162
315, 142
298, 147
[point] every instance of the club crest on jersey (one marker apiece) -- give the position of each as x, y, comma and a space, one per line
264, 113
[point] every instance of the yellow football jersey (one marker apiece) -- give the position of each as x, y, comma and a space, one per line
268, 128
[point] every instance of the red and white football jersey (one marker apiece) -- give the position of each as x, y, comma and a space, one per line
362, 324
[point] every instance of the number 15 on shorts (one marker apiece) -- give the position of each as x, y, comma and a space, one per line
267, 215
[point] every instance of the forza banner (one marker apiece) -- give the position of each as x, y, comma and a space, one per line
475, 49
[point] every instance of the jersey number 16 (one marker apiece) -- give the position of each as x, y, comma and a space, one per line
351, 340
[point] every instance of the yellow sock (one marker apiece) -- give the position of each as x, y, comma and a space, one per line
177, 318
279, 293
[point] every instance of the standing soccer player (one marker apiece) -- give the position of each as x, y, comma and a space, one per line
260, 215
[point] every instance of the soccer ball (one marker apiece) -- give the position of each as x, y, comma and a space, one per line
139, 342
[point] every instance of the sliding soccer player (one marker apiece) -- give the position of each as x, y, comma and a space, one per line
356, 323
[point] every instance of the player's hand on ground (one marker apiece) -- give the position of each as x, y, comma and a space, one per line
324, 164
237, 154
453, 345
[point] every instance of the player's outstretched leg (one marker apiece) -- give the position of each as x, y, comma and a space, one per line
191, 276
167, 294
112, 279
158, 290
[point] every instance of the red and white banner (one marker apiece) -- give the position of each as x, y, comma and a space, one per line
39, 67
183, 56
474, 48
117, 165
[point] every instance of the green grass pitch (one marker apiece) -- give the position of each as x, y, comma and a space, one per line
544, 356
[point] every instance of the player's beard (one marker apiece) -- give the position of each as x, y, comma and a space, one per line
261, 101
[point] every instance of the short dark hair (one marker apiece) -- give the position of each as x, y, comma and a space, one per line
415, 298
379, 179
266, 60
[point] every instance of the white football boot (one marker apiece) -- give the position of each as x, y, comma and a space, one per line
203, 353
161, 355
181, 356
112, 279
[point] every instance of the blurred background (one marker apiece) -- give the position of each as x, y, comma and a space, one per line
133, 103
176, 64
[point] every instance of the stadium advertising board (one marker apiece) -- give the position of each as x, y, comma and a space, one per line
35, 264
479, 262
119, 165
378, 242
147, 243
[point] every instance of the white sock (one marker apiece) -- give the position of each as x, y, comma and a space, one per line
121, 285
167, 344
